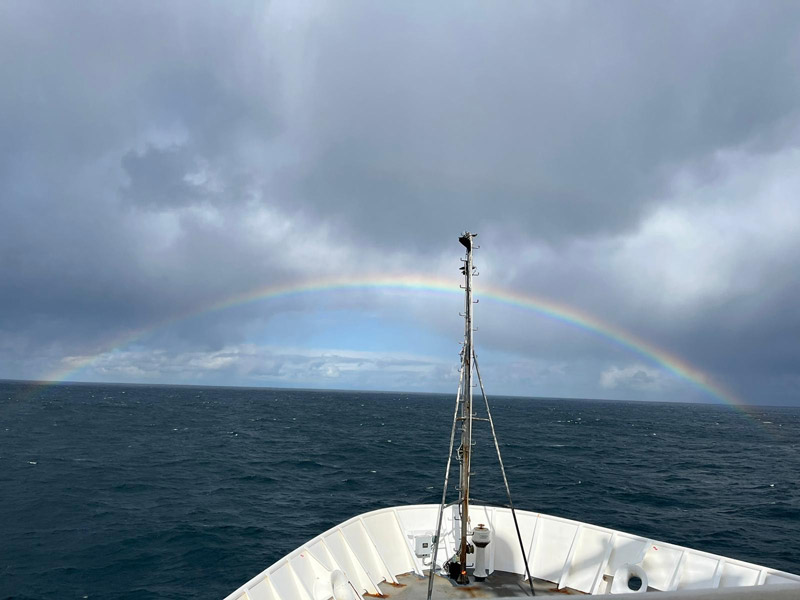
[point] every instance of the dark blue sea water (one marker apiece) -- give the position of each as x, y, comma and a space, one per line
111, 491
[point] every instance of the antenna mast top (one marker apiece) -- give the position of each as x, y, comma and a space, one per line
466, 240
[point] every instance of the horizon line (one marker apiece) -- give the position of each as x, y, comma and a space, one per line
51, 383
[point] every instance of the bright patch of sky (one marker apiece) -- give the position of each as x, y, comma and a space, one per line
356, 330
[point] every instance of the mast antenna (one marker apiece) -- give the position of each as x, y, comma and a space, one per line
465, 451
469, 361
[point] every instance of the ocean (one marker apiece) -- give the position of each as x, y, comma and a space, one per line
115, 491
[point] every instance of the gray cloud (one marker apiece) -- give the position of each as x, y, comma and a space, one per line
636, 162
556, 122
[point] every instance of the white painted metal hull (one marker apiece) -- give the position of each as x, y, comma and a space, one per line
373, 549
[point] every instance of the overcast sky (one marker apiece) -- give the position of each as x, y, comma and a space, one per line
636, 161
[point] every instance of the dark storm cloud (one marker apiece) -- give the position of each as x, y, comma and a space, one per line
157, 159
107, 113
560, 120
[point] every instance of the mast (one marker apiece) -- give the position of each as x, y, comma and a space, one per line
466, 407
469, 360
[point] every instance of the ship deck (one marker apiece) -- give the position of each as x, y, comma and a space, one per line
499, 584
564, 556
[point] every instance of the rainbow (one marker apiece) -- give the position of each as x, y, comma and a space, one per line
543, 306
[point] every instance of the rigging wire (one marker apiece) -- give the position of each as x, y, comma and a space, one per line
503, 471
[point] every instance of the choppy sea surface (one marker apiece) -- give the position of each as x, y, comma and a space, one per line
113, 491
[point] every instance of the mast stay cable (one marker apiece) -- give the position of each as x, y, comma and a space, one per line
503, 471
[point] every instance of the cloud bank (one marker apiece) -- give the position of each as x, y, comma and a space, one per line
638, 163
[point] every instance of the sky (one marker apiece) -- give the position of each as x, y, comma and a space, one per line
634, 163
